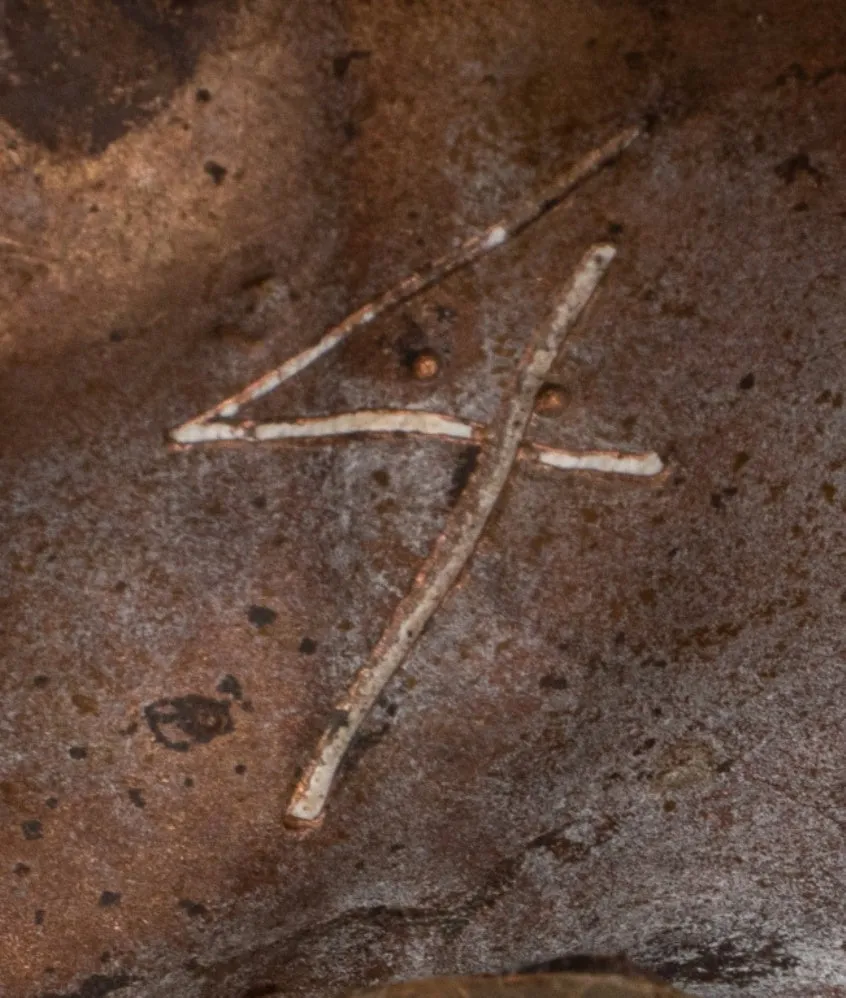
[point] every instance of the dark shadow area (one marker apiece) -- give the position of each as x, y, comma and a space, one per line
76, 76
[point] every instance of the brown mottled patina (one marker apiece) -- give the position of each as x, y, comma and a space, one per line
625, 729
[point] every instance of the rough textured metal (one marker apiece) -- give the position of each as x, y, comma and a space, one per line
520, 986
625, 731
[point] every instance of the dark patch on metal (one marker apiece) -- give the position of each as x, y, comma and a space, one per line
553, 682
727, 963
795, 71
308, 646
32, 830
136, 797
108, 899
718, 498
790, 169
193, 909
258, 278
79, 76
39, 916
828, 72
199, 718
95, 986
462, 473
747, 382
339, 719
568, 851
590, 963
78, 752
230, 686
411, 342
215, 171
341, 63
362, 744
261, 616
262, 991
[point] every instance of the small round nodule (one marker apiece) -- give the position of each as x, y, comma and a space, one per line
425, 365
551, 400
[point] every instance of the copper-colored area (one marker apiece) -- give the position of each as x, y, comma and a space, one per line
626, 729
425, 365
589, 985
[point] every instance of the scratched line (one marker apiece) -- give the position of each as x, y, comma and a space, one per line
524, 214
416, 423
501, 444
452, 550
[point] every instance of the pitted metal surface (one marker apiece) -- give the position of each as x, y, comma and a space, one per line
623, 730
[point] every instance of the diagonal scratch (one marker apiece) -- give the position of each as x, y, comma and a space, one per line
453, 548
526, 212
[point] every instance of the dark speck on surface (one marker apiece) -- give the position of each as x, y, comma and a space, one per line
263, 991
308, 646
203, 95
39, 682
77, 751
746, 382
240, 769
188, 782
261, 616
52, 803
795, 71
108, 899
341, 63
789, 169
718, 498
21, 869
463, 471
339, 719
552, 682
193, 909
728, 962
231, 686
199, 718
828, 492
136, 797
95, 986
39, 916
215, 171
32, 829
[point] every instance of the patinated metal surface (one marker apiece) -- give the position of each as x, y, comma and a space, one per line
521, 986
625, 730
